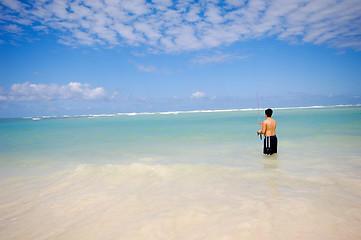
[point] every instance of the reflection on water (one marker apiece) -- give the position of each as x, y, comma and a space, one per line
270, 162
270, 166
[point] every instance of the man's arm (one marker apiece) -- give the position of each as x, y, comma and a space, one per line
264, 127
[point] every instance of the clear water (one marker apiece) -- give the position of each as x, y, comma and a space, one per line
199, 175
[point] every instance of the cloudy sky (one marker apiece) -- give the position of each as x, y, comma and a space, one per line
69, 57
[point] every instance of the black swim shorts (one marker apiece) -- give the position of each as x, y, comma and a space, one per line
270, 145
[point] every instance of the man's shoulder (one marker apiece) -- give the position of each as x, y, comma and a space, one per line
269, 121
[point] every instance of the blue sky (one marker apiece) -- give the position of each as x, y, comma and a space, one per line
70, 57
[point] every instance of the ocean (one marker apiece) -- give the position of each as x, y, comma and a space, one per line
182, 175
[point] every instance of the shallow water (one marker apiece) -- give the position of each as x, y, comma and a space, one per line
182, 176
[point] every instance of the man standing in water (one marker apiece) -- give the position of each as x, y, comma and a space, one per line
269, 130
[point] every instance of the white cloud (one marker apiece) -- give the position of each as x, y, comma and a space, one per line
12, 28
3, 96
150, 68
193, 14
31, 92
14, 5
171, 26
234, 3
198, 95
213, 14
144, 68
149, 31
217, 58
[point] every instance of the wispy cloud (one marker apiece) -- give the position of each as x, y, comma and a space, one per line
172, 26
218, 57
143, 68
150, 68
198, 95
38, 73
32, 92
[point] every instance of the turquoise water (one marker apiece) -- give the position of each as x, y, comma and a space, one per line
190, 175
168, 138
188, 137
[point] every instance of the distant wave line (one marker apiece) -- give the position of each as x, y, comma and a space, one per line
186, 112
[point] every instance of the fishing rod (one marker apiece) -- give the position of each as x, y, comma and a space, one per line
259, 116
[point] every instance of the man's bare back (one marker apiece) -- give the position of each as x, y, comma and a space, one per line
269, 127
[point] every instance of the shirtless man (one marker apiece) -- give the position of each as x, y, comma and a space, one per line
269, 130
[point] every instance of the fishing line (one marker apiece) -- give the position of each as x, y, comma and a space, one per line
259, 116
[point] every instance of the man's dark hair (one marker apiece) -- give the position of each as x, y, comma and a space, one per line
268, 112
